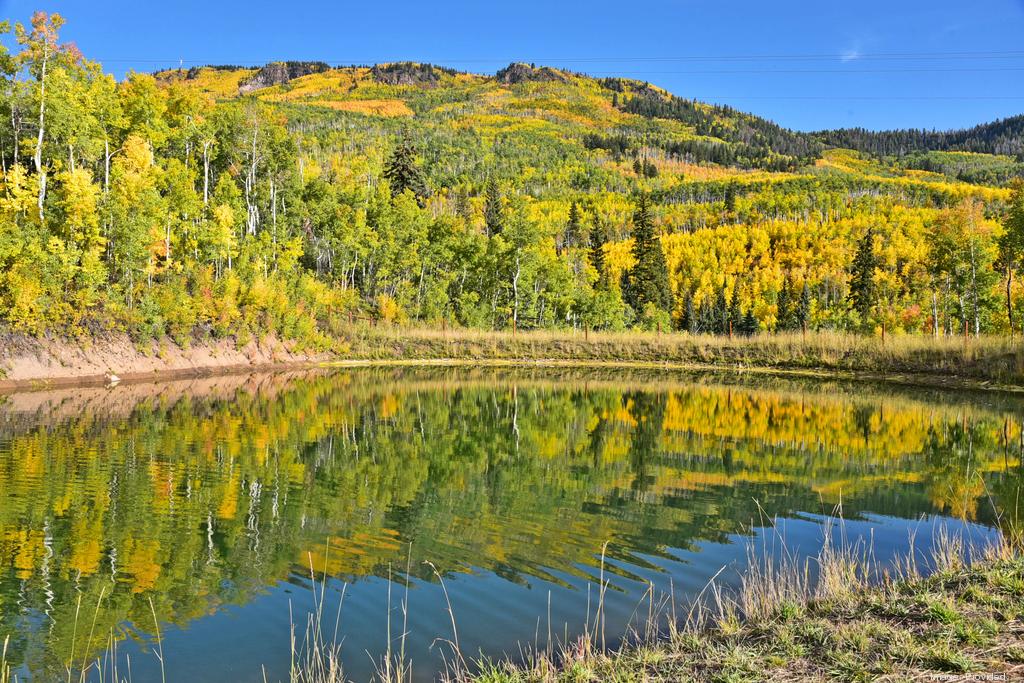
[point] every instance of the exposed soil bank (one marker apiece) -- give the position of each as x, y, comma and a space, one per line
28, 362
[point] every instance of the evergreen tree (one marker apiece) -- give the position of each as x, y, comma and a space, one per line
573, 236
750, 324
730, 198
735, 321
597, 257
403, 173
648, 281
494, 208
721, 309
803, 310
707, 317
862, 277
785, 313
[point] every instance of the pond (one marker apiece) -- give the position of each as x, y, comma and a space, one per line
211, 502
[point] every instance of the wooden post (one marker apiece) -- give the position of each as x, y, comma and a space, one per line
586, 333
730, 330
883, 332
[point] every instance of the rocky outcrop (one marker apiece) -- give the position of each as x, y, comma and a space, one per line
276, 73
407, 73
519, 72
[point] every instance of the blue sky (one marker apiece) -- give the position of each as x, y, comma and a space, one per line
807, 65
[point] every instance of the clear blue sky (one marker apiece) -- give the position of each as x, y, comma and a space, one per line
806, 65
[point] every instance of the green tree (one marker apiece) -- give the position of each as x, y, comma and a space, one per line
803, 310
597, 257
863, 292
403, 173
785, 314
494, 208
647, 281
573, 235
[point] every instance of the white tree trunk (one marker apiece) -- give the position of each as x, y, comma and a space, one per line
38, 156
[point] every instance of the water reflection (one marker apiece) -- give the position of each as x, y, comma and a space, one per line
213, 497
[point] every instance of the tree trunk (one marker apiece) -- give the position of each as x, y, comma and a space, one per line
1009, 299
515, 294
106, 165
206, 173
38, 156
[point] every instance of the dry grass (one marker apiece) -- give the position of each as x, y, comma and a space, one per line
986, 360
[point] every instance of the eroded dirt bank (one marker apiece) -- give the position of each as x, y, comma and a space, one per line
31, 362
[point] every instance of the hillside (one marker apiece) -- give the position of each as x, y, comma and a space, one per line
624, 117
298, 198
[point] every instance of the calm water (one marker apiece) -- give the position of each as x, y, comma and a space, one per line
213, 497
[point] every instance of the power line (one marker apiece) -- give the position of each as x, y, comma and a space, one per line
880, 98
842, 57
816, 71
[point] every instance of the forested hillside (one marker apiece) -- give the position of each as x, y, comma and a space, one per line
297, 197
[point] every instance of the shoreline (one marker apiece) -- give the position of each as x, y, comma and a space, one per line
28, 363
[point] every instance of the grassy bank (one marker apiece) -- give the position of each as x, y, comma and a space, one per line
997, 360
954, 613
945, 621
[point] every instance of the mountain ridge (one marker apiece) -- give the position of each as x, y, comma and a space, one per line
1004, 136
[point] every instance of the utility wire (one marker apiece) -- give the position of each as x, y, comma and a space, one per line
841, 57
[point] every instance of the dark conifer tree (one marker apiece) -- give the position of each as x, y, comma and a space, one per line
862, 276
707, 317
803, 311
402, 172
785, 315
686, 320
721, 313
573, 236
730, 198
494, 209
648, 281
735, 314
750, 323
597, 258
